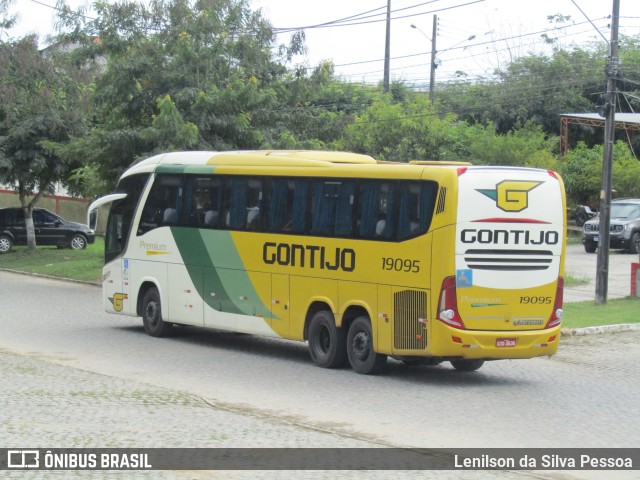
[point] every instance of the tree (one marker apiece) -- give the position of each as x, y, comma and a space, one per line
582, 172
40, 109
212, 58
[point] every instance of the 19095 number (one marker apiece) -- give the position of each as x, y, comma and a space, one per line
400, 264
535, 300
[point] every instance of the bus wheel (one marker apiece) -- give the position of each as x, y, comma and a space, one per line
152, 314
327, 344
467, 365
362, 356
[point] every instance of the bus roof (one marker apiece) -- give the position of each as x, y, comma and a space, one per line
327, 163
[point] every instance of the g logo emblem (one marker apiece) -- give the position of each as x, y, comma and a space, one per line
117, 301
511, 195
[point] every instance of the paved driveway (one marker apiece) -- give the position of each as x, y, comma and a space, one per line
583, 266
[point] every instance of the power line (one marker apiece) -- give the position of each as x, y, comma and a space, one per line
359, 16
488, 42
291, 29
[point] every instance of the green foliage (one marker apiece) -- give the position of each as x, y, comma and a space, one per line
405, 130
169, 131
211, 58
205, 74
42, 107
582, 173
532, 88
527, 146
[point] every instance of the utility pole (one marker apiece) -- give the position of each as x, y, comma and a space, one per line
602, 269
387, 49
432, 76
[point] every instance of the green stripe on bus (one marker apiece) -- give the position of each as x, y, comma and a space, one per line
224, 289
179, 169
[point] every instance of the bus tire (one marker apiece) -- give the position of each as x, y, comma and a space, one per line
327, 344
467, 365
152, 314
362, 356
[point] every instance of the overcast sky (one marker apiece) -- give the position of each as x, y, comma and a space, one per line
500, 29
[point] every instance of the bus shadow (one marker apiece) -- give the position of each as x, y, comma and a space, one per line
445, 375
292, 351
246, 344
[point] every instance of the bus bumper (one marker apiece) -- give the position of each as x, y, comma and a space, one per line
487, 345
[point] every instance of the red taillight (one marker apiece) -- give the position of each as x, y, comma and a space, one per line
462, 171
556, 315
448, 304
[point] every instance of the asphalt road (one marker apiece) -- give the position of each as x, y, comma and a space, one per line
586, 396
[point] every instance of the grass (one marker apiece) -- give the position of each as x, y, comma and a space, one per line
571, 281
574, 237
86, 265
588, 314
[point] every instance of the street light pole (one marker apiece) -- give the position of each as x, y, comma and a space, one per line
434, 65
602, 267
432, 75
387, 50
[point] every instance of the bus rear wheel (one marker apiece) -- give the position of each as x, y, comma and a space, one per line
327, 344
467, 365
152, 314
362, 356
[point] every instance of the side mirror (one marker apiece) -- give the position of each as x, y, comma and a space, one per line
93, 219
92, 212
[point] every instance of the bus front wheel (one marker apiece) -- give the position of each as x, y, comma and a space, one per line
362, 356
327, 344
152, 314
467, 365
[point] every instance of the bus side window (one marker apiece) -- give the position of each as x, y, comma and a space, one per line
278, 213
204, 195
376, 210
415, 208
332, 207
163, 205
254, 204
300, 201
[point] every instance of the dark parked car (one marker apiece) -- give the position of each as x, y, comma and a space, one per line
624, 229
50, 230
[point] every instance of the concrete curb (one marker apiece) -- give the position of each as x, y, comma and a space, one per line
51, 277
621, 327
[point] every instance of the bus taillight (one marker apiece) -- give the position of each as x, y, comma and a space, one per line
448, 305
556, 315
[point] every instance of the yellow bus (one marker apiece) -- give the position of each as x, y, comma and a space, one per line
423, 262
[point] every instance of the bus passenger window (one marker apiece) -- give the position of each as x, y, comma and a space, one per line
332, 207
163, 205
415, 208
205, 197
376, 205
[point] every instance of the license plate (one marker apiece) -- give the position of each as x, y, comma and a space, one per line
596, 238
505, 342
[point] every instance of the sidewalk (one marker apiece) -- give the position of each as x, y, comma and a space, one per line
45, 405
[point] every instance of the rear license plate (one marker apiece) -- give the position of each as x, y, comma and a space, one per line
596, 238
505, 342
